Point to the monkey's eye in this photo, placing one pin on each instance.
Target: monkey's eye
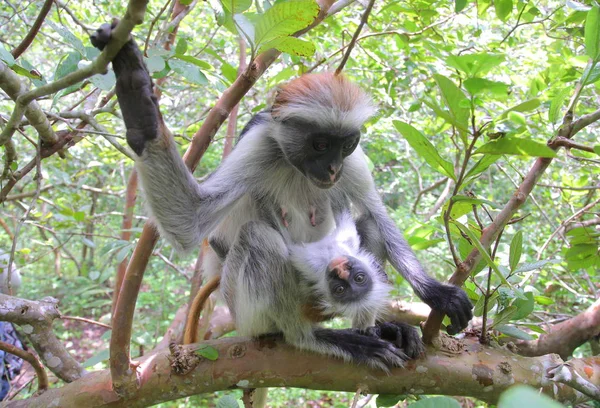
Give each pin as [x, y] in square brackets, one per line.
[350, 145]
[359, 278]
[338, 290]
[321, 144]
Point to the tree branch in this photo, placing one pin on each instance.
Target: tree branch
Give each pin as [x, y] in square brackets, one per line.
[31, 359]
[35, 320]
[35, 28]
[478, 371]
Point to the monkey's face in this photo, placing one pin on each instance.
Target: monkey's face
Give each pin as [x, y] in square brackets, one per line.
[349, 279]
[317, 152]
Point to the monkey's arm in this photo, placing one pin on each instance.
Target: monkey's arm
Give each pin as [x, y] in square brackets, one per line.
[185, 212]
[381, 236]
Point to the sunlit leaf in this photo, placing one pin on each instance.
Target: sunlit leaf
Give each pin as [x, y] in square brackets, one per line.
[285, 18]
[503, 8]
[425, 149]
[208, 352]
[592, 33]
[516, 146]
[516, 248]
[512, 331]
[290, 45]
[521, 396]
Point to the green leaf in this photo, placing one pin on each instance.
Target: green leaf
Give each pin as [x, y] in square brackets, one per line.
[517, 118]
[208, 352]
[236, 6]
[193, 60]
[181, 46]
[597, 149]
[478, 310]
[521, 396]
[290, 45]
[227, 401]
[102, 355]
[475, 65]
[524, 306]
[155, 64]
[436, 402]
[476, 86]
[229, 72]
[425, 149]
[556, 105]
[543, 300]
[67, 65]
[591, 73]
[389, 400]
[503, 9]
[592, 33]
[512, 331]
[526, 106]
[452, 97]
[79, 216]
[68, 36]
[459, 5]
[479, 167]
[33, 74]
[284, 19]
[104, 81]
[484, 253]
[516, 248]
[6, 56]
[516, 146]
[504, 316]
[526, 267]
[189, 72]
[245, 28]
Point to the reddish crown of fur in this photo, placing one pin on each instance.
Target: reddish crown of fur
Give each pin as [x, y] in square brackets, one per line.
[323, 97]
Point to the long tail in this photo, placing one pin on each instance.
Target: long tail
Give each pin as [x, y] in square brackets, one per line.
[191, 326]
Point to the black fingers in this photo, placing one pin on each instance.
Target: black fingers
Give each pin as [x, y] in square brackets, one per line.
[134, 90]
[453, 302]
[362, 348]
[402, 335]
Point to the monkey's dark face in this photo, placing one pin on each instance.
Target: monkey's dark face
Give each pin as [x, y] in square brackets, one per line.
[348, 279]
[316, 151]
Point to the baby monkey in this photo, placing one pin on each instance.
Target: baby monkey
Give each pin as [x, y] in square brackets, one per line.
[340, 277]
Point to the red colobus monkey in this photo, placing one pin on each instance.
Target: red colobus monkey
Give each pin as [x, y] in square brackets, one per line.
[300, 155]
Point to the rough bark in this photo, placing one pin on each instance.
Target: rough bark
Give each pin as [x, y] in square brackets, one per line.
[465, 368]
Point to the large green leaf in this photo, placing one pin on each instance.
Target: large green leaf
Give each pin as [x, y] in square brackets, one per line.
[516, 248]
[479, 86]
[284, 19]
[524, 396]
[592, 33]
[526, 106]
[556, 104]
[425, 149]
[475, 65]
[503, 8]
[516, 146]
[188, 71]
[512, 331]
[245, 28]
[455, 100]
[436, 402]
[236, 6]
[290, 45]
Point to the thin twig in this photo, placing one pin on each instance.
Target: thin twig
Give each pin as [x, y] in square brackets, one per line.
[35, 28]
[31, 359]
[363, 21]
[83, 319]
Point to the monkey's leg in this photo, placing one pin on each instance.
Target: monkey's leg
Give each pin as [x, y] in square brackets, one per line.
[263, 291]
[184, 211]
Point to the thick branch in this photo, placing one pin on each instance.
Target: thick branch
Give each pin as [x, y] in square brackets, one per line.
[35, 320]
[478, 371]
[563, 338]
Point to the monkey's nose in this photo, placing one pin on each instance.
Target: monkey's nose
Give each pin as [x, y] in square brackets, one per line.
[339, 265]
[333, 171]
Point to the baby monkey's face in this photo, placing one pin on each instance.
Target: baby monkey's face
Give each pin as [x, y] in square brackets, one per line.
[349, 279]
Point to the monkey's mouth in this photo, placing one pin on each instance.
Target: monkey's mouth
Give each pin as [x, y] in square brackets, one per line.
[321, 183]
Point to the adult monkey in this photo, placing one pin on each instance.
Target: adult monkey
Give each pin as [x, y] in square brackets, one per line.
[303, 157]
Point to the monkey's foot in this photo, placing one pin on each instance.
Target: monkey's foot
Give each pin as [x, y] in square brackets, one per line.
[402, 335]
[134, 90]
[352, 345]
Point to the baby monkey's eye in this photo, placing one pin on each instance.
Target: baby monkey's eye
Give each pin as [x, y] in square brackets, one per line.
[321, 144]
[359, 278]
[339, 289]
